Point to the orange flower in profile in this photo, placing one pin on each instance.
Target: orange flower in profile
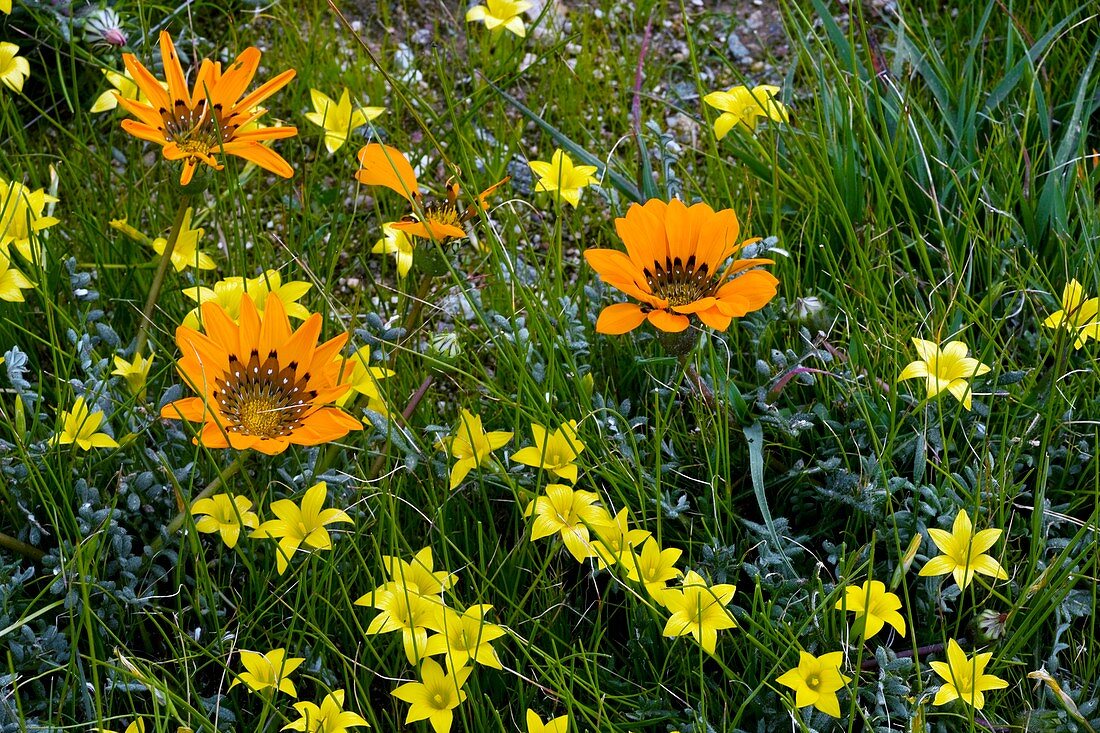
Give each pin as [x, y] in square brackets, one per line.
[195, 126]
[673, 264]
[261, 385]
[436, 220]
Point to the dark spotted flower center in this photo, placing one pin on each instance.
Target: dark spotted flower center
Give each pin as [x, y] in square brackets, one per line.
[195, 130]
[679, 282]
[261, 399]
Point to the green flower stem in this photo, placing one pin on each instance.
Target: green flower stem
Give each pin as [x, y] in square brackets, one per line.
[557, 254]
[158, 278]
[423, 288]
[28, 551]
[706, 394]
[217, 483]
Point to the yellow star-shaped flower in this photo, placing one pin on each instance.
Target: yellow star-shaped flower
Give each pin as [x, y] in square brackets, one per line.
[471, 445]
[873, 606]
[398, 243]
[699, 609]
[81, 426]
[948, 369]
[466, 637]
[22, 218]
[566, 512]
[435, 697]
[338, 119]
[816, 680]
[498, 15]
[964, 678]
[12, 282]
[14, 69]
[186, 253]
[328, 717]
[301, 525]
[964, 552]
[743, 106]
[653, 567]
[269, 671]
[135, 372]
[555, 452]
[557, 725]
[1078, 314]
[561, 176]
[224, 514]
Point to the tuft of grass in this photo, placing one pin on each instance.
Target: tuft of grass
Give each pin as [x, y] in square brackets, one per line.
[936, 180]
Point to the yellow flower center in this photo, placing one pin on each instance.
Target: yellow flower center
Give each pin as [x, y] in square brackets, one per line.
[678, 282]
[195, 131]
[197, 147]
[259, 416]
[439, 700]
[441, 213]
[813, 681]
[261, 399]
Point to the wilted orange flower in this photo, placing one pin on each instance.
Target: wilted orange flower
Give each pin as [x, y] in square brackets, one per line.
[195, 126]
[437, 220]
[674, 264]
[261, 386]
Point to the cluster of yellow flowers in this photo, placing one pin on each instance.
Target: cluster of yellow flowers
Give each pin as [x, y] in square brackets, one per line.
[298, 527]
[268, 673]
[411, 602]
[817, 679]
[588, 530]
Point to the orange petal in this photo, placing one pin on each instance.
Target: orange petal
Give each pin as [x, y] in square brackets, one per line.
[301, 345]
[715, 319]
[265, 133]
[262, 156]
[267, 446]
[192, 409]
[643, 232]
[209, 354]
[610, 263]
[234, 80]
[265, 90]
[143, 131]
[274, 328]
[146, 82]
[143, 112]
[205, 82]
[699, 305]
[173, 72]
[746, 293]
[483, 197]
[212, 436]
[325, 354]
[619, 318]
[188, 172]
[718, 238]
[249, 331]
[386, 166]
[432, 230]
[682, 227]
[220, 327]
[670, 322]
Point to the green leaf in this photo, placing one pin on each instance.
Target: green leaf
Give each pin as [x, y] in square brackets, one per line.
[754, 436]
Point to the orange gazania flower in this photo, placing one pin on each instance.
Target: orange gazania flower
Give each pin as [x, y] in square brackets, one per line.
[261, 386]
[436, 220]
[674, 264]
[195, 126]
